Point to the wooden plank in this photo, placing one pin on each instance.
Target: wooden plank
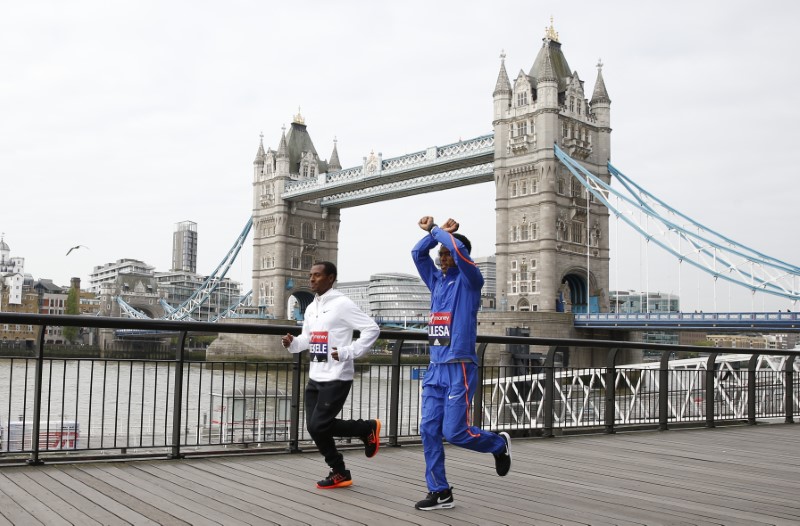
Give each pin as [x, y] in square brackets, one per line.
[179, 508]
[12, 511]
[115, 501]
[34, 504]
[231, 485]
[729, 475]
[210, 494]
[66, 510]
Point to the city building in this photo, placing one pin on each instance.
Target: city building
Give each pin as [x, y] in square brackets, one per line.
[12, 274]
[358, 291]
[397, 296]
[110, 272]
[390, 296]
[631, 301]
[184, 247]
[488, 267]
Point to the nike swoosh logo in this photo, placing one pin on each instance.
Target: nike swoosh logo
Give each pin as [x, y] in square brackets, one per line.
[441, 500]
[451, 397]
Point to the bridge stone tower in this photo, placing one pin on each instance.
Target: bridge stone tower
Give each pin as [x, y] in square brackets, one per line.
[289, 237]
[548, 237]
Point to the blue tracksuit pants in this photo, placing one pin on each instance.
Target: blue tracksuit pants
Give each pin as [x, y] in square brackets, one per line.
[447, 393]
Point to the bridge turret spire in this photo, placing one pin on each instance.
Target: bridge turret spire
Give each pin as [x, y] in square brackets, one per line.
[283, 148]
[503, 85]
[502, 90]
[260, 154]
[334, 164]
[600, 94]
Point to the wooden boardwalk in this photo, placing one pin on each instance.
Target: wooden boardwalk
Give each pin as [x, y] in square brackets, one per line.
[729, 475]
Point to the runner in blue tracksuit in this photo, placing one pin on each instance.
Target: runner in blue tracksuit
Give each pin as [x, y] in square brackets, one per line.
[451, 379]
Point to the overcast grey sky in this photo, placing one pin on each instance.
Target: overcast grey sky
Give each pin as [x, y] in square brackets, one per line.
[120, 119]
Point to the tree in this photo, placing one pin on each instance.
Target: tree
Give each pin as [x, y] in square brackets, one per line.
[72, 307]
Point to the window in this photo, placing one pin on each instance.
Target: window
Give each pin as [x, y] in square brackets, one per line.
[306, 230]
[524, 187]
[572, 104]
[514, 264]
[292, 230]
[535, 186]
[576, 232]
[561, 185]
[322, 235]
[534, 233]
[307, 260]
[522, 129]
[295, 261]
[579, 107]
[513, 233]
[522, 98]
[576, 188]
[513, 189]
[524, 232]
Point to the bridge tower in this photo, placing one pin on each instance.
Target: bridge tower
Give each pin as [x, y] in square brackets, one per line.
[548, 237]
[288, 237]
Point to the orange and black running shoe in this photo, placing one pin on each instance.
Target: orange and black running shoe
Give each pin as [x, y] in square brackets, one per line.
[336, 480]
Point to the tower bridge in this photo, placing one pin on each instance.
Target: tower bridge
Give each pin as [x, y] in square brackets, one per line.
[551, 234]
[548, 155]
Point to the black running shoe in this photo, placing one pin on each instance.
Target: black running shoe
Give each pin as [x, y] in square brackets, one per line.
[372, 442]
[336, 480]
[436, 500]
[502, 461]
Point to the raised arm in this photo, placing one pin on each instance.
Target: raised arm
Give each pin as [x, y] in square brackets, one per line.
[463, 260]
[421, 253]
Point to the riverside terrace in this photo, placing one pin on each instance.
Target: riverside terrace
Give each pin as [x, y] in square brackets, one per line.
[71, 415]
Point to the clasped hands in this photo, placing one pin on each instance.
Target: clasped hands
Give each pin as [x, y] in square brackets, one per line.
[427, 224]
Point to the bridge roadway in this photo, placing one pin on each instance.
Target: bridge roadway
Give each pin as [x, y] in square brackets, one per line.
[732, 475]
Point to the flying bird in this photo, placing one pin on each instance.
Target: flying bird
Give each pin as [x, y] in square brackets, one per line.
[76, 247]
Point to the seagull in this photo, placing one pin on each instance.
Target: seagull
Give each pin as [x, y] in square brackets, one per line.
[76, 247]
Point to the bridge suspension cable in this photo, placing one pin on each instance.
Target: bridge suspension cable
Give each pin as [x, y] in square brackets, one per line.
[185, 310]
[713, 253]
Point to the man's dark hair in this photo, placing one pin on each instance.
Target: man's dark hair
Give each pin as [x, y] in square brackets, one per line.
[330, 268]
[463, 239]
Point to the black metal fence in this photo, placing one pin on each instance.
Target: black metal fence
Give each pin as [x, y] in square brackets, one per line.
[56, 408]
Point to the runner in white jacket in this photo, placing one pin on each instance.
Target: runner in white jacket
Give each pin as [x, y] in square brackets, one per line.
[328, 326]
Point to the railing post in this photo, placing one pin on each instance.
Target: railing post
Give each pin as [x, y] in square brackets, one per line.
[177, 399]
[789, 391]
[611, 391]
[294, 419]
[752, 378]
[711, 391]
[394, 394]
[477, 401]
[37, 402]
[549, 391]
[663, 391]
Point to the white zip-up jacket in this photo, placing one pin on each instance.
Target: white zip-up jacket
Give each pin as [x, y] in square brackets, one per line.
[329, 324]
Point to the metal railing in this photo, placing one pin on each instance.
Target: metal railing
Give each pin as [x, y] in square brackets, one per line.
[55, 408]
